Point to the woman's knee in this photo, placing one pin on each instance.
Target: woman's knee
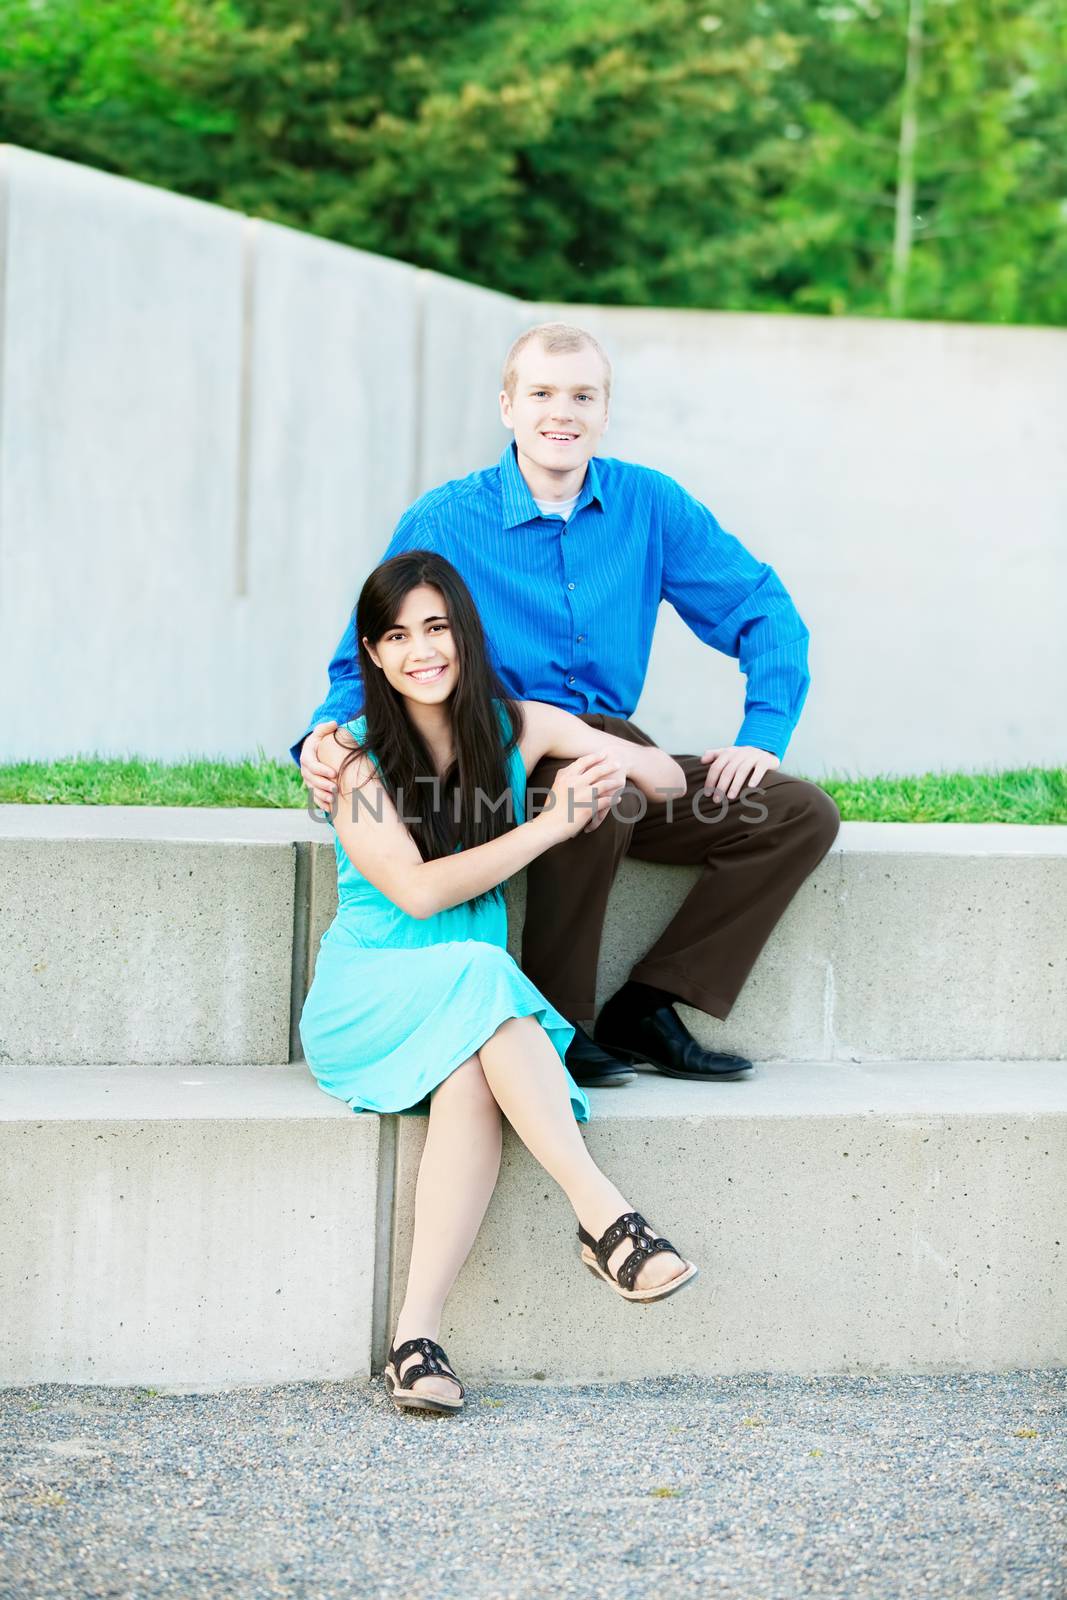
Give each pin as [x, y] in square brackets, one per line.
[512, 1030]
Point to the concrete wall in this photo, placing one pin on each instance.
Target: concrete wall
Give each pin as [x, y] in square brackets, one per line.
[118, 490]
[908, 481]
[208, 427]
[332, 386]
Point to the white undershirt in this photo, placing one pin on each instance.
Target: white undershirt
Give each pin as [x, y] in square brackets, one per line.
[556, 508]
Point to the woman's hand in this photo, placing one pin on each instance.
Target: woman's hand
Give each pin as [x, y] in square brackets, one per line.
[319, 778]
[582, 794]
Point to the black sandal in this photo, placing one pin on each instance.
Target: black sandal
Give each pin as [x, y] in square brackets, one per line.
[633, 1227]
[434, 1364]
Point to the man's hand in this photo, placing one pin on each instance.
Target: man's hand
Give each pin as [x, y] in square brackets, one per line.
[735, 767]
[319, 778]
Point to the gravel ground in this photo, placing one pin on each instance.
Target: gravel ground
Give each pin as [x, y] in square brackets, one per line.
[755, 1488]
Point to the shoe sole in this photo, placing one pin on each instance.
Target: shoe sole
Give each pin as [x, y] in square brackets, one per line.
[409, 1400]
[641, 1296]
[671, 1072]
[613, 1080]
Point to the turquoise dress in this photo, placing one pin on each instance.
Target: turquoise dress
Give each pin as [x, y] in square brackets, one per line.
[399, 1002]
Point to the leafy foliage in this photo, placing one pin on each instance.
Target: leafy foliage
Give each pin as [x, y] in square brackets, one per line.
[740, 156]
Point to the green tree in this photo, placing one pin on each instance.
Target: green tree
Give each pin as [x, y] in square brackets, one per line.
[741, 156]
[991, 180]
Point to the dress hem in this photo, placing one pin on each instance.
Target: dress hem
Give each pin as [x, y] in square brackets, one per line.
[485, 1031]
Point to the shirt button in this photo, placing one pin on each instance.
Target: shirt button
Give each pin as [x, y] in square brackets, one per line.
[581, 638]
[570, 586]
[570, 680]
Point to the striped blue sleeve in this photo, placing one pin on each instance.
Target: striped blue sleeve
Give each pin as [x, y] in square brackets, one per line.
[344, 697]
[740, 606]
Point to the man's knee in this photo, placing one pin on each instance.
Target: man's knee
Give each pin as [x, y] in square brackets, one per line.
[816, 812]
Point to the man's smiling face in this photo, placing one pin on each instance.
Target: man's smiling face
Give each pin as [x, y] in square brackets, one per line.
[559, 409]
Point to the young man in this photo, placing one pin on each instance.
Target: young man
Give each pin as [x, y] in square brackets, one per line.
[568, 556]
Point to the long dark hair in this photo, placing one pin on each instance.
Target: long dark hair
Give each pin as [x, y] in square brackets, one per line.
[463, 809]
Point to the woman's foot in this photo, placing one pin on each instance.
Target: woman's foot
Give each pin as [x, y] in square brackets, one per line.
[653, 1272]
[432, 1386]
[649, 1278]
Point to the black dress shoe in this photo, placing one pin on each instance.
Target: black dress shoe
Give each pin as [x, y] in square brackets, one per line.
[593, 1067]
[665, 1042]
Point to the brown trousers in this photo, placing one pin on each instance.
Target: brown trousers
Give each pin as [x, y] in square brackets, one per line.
[753, 865]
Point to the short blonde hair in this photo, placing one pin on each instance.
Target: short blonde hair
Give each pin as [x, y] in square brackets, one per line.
[558, 338]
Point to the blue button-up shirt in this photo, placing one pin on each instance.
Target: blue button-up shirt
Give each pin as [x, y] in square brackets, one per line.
[569, 608]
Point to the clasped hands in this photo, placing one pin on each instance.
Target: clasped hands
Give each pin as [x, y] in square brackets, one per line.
[731, 768]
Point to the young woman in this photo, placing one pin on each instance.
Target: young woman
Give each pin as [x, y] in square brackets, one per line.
[415, 994]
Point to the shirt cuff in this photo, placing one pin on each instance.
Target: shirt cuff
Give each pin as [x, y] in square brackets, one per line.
[764, 730]
[295, 749]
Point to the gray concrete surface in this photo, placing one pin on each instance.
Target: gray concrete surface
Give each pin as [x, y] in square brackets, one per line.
[236, 415]
[186, 1226]
[464, 333]
[763, 1488]
[908, 1217]
[121, 423]
[250, 824]
[219, 1224]
[181, 931]
[943, 956]
[199, 824]
[126, 950]
[333, 384]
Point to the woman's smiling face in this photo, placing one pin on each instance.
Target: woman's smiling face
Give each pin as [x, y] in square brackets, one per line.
[418, 653]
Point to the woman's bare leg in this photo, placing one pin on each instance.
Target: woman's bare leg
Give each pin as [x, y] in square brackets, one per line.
[457, 1175]
[526, 1077]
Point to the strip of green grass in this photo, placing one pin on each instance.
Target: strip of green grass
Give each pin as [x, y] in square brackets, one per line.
[1028, 794]
[1025, 794]
[94, 781]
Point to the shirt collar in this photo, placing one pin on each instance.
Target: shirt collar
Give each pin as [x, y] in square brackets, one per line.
[518, 503]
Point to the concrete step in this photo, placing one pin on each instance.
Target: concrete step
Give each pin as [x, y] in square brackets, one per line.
[167, 1224]
[234, 1224]
[168, 935]
[160, 937]
[901, 1217]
